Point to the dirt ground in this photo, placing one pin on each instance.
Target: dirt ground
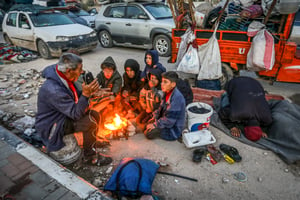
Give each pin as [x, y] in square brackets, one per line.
[268, 177]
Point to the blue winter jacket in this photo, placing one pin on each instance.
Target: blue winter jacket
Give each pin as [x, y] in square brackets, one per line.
[155, 61]
[170, 116]
[55, 103]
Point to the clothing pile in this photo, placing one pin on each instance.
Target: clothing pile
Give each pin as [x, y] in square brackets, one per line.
[13, 54]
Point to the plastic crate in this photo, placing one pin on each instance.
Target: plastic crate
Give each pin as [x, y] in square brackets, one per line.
[198, 138]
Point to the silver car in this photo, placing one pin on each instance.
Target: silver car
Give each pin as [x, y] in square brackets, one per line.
[136, 24]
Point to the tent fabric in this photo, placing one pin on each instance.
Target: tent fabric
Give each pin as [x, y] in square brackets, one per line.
[283, 134]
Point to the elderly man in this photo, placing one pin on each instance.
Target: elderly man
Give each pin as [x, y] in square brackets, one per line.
[63, 109]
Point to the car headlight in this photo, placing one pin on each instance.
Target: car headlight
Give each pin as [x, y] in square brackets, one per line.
[62, 38]
[93, 34]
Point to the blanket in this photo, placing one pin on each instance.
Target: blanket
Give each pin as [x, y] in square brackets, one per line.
[14, 54]
[283, 134]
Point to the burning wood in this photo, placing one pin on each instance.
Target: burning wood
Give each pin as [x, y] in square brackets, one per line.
[115, 127]
[116, 123]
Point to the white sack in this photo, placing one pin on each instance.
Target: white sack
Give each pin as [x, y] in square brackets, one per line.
[210, 59]
[190, 61]
[261, 55]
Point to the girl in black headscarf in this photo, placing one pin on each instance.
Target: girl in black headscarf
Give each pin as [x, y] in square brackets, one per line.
[132, 86]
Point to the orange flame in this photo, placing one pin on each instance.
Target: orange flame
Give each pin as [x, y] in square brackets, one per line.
[116, 124]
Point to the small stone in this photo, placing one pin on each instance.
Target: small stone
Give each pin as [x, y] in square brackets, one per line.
[97, 182]
[225, 180]
[18, 97]
[26, 96]
[109, 170]
[265, 153]
[15, 85]
[259, 179]
[286, 170]
[21, 81]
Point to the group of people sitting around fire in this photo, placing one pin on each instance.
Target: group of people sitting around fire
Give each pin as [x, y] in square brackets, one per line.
[66, 104]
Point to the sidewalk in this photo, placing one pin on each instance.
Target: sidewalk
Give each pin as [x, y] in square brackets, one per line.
[27, 173]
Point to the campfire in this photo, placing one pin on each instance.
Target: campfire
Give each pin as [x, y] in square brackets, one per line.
[115, 127]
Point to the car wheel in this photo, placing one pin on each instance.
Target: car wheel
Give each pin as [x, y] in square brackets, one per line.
[162, 44]
[6, 39]
[227, 75]
[43, 49]
[105, 39]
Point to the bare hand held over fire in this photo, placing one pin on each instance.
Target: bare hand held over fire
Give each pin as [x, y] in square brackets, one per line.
[88, 90]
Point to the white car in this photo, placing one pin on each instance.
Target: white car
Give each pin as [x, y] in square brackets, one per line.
[46, 31]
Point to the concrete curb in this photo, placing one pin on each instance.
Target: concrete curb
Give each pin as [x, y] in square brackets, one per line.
[62, 175]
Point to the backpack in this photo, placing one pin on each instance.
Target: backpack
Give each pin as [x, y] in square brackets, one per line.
[132, 178]
[184, 87]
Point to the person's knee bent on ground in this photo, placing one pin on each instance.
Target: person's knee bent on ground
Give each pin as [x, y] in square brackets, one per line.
[169, 118]
[62, 108]
[246, 109]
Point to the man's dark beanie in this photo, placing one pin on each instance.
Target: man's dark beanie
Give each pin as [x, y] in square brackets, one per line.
[171, 75]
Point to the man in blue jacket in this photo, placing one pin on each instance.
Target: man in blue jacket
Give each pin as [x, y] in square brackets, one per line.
[63, 109]
[169, 118]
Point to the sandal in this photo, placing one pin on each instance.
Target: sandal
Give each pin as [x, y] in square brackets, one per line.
[231, 152]
[197, 155]
[215, 153]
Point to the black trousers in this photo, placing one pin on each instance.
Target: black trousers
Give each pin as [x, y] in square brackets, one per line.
[88, 125]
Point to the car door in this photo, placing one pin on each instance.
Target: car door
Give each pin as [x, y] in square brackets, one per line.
[136, 29]
[25, 32]
[115, 21]
[11, 28]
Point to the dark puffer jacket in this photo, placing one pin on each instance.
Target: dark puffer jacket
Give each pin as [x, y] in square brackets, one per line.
[115, 82]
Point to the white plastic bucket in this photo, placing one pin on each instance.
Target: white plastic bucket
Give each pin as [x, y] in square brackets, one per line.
[197, 121]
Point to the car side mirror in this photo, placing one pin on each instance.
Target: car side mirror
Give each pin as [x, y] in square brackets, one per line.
[25, 26]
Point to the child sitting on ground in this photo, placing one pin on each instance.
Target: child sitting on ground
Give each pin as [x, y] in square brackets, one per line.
[110, 81]
[109, 77]
[132, 86]
[169, 118]
[152, 62]
[150, 98]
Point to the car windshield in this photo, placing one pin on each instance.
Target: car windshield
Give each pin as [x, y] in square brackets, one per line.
[80, 12]
[159, 11]
[50, 19]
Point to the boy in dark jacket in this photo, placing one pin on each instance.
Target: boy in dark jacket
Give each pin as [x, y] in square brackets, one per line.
[152, 61]
[109, 77]
[170, 116]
